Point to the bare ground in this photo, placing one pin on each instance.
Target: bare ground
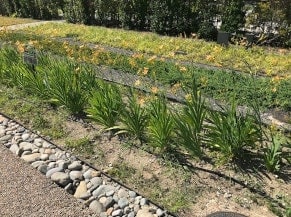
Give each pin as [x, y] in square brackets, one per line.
[189, 191]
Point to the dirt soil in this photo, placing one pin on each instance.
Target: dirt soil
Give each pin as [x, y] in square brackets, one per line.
[196, 189]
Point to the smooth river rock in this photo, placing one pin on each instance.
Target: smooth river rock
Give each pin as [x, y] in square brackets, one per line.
[144, 213]
[61, 178]
[31, 157]
[81, 190]
[96, 206]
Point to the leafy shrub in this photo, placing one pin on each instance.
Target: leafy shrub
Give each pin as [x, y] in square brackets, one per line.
[107, 12]
[233, 16]
[80, 11]
[74, 11]
[16, 73]
[10, 59]
[189, 124]
[134, 119]
[41, 9]
[231, 131]
[172, 17]
[134, 14]
[69, 85]
[207, 31]
[274, 155]
[33, 82]
[161, 125]
[105, 105]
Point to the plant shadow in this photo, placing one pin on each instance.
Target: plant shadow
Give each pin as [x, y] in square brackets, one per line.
[251, 164]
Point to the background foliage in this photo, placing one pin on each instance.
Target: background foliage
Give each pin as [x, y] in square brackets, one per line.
[269, 20]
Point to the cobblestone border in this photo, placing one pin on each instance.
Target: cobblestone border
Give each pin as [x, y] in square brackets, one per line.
[101, 193]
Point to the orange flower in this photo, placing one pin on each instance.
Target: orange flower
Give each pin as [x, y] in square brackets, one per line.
[188, 97]
[276, 79]
[145, 71]
[183, 69]
[96, 53]
[137, 83]
[132, 63]
[154, 90]
[152, 58]
[20, 47]
[172, 54]
[141, 101]
[175, 87]
[209, 58]
[136, 56]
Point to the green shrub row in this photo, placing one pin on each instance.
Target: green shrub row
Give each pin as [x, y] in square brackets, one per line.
[193, 128]
[171, 17]
[41, 9]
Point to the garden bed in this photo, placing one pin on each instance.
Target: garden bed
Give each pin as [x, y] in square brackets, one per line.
[191, 175]
[220, 85]
[188, 190]
[163, 169]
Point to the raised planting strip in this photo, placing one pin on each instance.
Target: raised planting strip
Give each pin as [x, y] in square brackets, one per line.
[102, 194]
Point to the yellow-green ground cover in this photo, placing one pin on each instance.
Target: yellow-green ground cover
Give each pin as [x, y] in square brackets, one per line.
[8, 21]
[260, 60]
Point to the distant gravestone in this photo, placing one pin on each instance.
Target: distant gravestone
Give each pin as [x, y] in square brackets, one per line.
[250, 39]
[29, 57]
[225, 214]
[223, 38]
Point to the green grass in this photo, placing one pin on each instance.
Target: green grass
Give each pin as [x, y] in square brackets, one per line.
[262, 60]
[81, 145]
[20, 106]
[122, 171]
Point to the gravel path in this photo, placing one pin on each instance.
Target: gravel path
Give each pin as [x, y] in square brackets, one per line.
[24, 191]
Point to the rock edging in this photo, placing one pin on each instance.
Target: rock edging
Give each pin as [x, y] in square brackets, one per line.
[99, 192]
